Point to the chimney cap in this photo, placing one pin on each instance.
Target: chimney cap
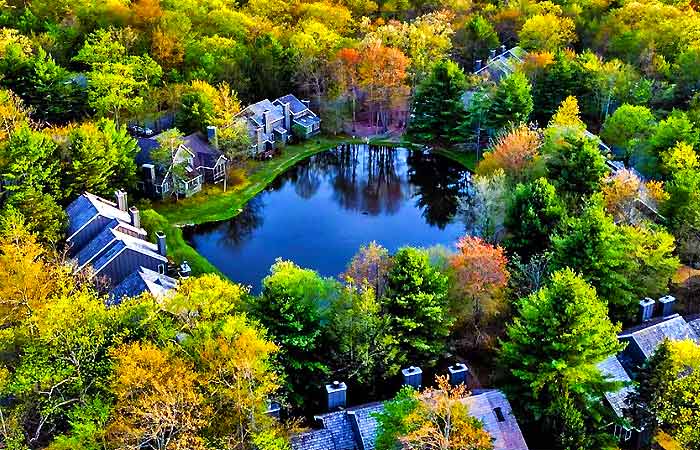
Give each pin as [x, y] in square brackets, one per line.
[667, 299]
[336, 386]
[458, 367]
[646, 301]
[412, 370]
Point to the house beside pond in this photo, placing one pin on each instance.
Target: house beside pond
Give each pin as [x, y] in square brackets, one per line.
[275, 122]
[106, 242]
[196, 162]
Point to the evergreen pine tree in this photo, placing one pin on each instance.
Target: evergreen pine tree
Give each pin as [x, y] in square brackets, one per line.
[651, 381]
[438, 108]
[550, 354]
[512, 102]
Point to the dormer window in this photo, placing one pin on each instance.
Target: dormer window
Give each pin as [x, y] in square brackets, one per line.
[499, 414]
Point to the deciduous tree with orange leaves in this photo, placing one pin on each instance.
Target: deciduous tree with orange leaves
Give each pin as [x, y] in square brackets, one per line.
[515, 151]
[383, 75]
[481, 276]
[435, 419]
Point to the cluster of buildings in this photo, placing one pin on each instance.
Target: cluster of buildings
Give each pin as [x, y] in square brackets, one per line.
[198, 160]
[107, 243]
[658, 323]
[356, 428]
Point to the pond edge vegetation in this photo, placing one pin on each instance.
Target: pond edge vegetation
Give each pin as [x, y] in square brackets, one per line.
[215, 205]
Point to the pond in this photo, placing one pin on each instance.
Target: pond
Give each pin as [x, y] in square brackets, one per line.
[323, 209]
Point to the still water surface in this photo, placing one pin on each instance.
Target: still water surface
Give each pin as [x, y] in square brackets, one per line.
[323, 209]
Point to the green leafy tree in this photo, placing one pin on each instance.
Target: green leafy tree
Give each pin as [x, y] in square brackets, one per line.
[30, 159]
[614, 259]
[512, 102]
[565, 76]
[437, 106]
[358, 345]
[235, 141]
[549, 355]
[532, 217]
[676, 128]
[437, 418]
[687, 72]
[416, 304]
[167, 156]
[627, 129]
[99, 158]
[574, 162]
[475, 39]
[290, 307]
[666, 392]
[682, 209]
[651, 382]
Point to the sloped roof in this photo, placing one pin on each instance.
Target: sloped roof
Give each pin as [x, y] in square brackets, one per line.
[506, 433]
[146, 146]
[365, 424]
[84, 209]
[295, 105]
[142, 280]
[650, 335]
[694, 323]
[313, 440]
[614, 371]
[256, 110]
[502, 65]
[124, 241]
[98, 244]
[356, 428]
[205, 154]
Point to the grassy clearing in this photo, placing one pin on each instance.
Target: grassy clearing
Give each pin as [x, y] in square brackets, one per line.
[212, 204]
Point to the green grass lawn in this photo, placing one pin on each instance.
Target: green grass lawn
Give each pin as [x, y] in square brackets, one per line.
[212, 204]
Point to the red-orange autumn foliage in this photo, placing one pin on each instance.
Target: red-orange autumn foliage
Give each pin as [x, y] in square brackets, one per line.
[481, 276]
[515, 151]
[481, 268]
[383, 73]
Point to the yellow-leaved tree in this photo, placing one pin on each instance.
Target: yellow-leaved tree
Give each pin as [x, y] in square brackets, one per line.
[158, 402]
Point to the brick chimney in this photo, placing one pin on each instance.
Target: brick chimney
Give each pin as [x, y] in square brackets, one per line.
[120, 196]
[646, 309]
[135, 217]
[337, 395]
[667, 303]
[162, 247]
[412, 376]
[459, 374]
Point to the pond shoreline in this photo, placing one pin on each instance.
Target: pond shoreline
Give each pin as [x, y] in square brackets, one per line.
[214, 205]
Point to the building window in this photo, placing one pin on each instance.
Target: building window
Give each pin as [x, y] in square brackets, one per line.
[499, 414]
[161, 268]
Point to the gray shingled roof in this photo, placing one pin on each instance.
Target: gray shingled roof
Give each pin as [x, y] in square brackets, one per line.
[295, 105]
[614, 371]
[356, 428]
[502, 65]
[204, 154]
[694, 323]
[506, 433]
[256, 110]
[84, 208]
[142, 280]
[649, 336]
